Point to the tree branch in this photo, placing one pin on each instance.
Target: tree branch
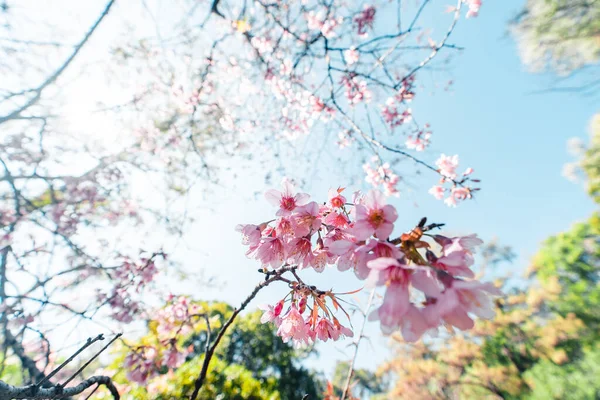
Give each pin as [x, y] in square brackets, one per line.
[52, 78]
[275, 276]
[9, 392]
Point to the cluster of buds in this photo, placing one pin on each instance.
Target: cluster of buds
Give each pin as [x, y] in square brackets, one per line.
[423, 291]
[307, 317]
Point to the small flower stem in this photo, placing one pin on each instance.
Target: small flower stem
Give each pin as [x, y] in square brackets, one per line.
[356, 343]
[276, 276]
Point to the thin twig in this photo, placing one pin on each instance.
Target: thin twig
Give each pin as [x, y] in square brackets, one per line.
[356, 343]
[87, 344]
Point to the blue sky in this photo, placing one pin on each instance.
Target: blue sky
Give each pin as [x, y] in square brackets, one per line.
[515, 140]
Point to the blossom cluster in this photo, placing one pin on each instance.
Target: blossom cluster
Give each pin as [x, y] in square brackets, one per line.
[423, 290]
[459, 190]
[129, 278]
[172, 321]
[382, 175]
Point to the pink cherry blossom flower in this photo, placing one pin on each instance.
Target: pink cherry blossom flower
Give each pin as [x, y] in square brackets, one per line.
[336, 200]
[284, 226]
[300, 252]
[351, 56]
[271, 313]
[307, 219]
[463, 297]
[418, 142]
[384, 176]
[271, 252]
[328, 27]
[457, 254]
[457, 194]
[413, 324]
[339, 220]
[141, 365]
[437, 192]
[374, 217]
[173, 358]
[293, 326]
[447, 165]
[314, 20]
[325, 330]
[389, 272]
[286, 200]
[474, 6]
[356, 90]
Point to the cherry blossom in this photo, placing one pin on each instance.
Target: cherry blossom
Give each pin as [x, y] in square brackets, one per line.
[351, 56]
[357, 235]
[474, 6]
[374, 217]
[286, 200]
[447, 165]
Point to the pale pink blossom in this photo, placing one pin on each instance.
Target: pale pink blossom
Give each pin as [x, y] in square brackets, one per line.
[287, 200]
[418, 142]
[141, 364]
[314, 20]
[413, 324]
[336, 200]
[293, 326]
[351, 56]
[396, 302]
[437, 192]
[374, 217]
[356, 90]
[307, 219]
[271, 252]
[271, 313]
[345, 139]
[461, 298]
[474, 6]
[384, 176]
[447, 165]
[173, 358]
[300, 252]
[337, 219]
[251, 236]
[457, 194]
[328, 27]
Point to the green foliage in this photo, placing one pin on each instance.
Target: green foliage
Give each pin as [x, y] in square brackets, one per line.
[574, 381]
[256, 347]
[574, 258]
[590, 162]
[558, 34]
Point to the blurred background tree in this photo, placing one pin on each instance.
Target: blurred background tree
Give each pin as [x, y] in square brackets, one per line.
[561, 36]
[249, 363]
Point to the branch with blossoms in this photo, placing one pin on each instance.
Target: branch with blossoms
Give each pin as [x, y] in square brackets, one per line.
[296, 68]
[423, 290]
